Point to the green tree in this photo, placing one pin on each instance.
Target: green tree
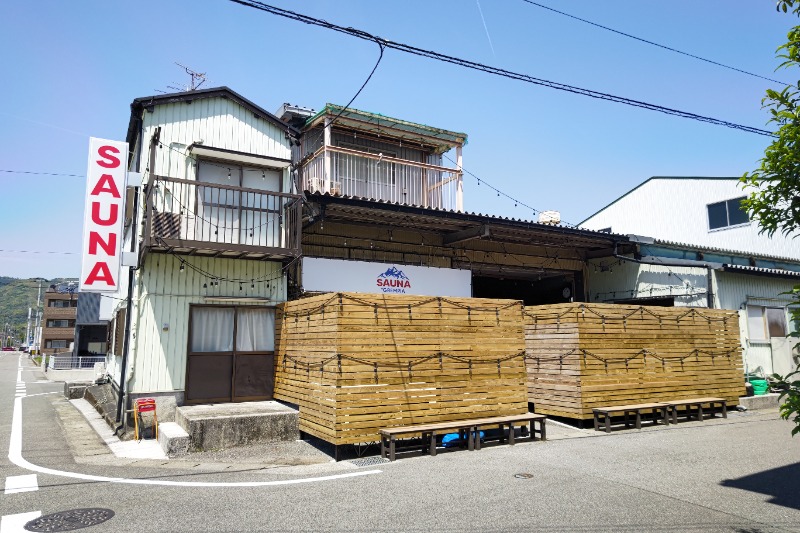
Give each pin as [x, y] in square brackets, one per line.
[775, 200]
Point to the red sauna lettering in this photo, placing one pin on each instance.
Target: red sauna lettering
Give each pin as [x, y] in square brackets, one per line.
[112, 216]
[105, 184]
[100, 273]
[402, 283]
[103, 151]
[109, 246]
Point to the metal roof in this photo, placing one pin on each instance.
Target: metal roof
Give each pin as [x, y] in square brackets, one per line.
[777, 272]
[726, 251]
[368, 210]
[379, 124]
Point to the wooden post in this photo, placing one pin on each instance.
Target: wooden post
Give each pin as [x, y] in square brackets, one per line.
[460, 182]
[326, 130]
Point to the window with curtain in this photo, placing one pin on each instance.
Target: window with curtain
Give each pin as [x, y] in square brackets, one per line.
[763, 323]
[213, 329]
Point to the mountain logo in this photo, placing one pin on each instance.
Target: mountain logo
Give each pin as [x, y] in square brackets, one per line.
[393, 280]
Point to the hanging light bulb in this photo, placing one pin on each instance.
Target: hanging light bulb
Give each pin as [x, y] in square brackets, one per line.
[182, 268]
[205, 285]
[229, 173]
[240, 285]
[252, 284]
[263, 175]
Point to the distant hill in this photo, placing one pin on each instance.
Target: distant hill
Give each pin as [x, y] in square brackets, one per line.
[16, 296]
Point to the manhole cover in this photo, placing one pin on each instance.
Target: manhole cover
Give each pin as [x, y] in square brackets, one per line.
[369, 461]
[523, 476]
[69, 520]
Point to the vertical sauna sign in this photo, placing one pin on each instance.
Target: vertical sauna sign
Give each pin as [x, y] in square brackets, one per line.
[103, 215]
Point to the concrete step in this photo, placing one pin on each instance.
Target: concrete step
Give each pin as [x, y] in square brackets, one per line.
[221, 426]
[173, 439]
[763, 401]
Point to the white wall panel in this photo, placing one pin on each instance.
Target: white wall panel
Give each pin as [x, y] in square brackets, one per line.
[164, 295]
[676, 210]
[609, 280]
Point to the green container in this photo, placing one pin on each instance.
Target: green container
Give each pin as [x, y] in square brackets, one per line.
[760, 386]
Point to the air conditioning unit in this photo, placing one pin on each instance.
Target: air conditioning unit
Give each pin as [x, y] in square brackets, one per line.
[318, 185]
[552, 218]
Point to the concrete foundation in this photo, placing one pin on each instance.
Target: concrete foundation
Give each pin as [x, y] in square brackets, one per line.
[220, 426]
[764, 401]
[75, 389]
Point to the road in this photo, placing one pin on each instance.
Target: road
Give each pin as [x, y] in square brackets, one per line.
[741, 474]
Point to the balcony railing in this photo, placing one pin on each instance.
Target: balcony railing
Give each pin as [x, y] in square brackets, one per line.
[212, 217]
[343, 171]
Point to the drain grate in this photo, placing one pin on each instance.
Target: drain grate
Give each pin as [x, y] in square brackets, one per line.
[70, 520]
[369, 461]
[523, 476]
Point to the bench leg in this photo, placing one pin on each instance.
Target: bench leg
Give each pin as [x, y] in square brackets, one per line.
[391, 448]
[596, 422]
[699, 412]
[627, 420]
[432, 448]
[638, 419]
[608, 422]
[533, 429]
[542, 430]
[674, 410]
[724, 410]
[511, 434]
[470, 439]
[665, 414]
[502, 434]
[383, 446]
[477, 437]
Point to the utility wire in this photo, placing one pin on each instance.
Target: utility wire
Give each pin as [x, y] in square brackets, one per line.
[37, 252]
[495, 70]
[653, 43]
[42, 173]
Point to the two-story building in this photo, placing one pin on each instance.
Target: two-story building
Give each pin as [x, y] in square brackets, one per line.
[58, 318]
[242, 209]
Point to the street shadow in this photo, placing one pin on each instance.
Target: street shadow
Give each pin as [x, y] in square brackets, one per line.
[779, 483]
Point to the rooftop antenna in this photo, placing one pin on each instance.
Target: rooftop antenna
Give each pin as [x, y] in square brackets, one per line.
[196, 80]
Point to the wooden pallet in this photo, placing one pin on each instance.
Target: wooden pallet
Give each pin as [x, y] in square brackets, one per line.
[582, 356]
[358, 363]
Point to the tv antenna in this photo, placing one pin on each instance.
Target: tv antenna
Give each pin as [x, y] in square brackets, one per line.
[196, 80]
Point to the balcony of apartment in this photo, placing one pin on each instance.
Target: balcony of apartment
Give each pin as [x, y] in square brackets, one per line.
[220, 220]
[59, 313]
[58, 333]
[359, 154]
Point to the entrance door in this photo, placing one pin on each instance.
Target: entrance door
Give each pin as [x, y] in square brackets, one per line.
[231, 355]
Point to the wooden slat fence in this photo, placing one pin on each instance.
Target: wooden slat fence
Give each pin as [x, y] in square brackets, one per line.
[356, 363]
[583, 355]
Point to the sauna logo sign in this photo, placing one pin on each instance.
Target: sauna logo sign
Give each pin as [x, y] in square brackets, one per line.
[393, 280]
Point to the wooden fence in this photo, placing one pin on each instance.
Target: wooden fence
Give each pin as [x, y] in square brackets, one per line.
[581, 355]
[356, 363]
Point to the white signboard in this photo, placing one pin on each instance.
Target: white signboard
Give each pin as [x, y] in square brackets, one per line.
[335, 275]
[103, 215]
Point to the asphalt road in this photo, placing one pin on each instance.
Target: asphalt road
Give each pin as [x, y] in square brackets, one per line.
[741, 474]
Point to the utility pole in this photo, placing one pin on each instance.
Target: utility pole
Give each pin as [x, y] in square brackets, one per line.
[28, 331]
[37, 335]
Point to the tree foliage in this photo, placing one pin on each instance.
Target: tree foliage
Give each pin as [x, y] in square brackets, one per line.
[775, 200]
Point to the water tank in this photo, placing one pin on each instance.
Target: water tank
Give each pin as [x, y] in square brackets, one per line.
[550, 217]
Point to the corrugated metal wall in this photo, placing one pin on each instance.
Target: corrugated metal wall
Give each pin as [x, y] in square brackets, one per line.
[610, 280]
[676, 210]
[163, 295]
[218, 123]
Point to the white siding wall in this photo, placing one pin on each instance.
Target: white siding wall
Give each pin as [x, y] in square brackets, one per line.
[675, 210]
[219, 123]
[628, 280]
[163, 295]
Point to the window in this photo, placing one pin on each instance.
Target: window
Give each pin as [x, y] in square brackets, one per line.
[63, 303]
[60, 323]
[55, 344]
[727, 213]
[763, 323]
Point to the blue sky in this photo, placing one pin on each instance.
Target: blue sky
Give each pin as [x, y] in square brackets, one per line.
[71, 69]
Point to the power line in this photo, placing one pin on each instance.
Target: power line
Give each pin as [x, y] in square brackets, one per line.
[43, 173]
[654, 43]
[37, 252]
[495, 70]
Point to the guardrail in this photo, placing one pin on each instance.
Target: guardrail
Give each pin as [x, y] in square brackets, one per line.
[70, 362]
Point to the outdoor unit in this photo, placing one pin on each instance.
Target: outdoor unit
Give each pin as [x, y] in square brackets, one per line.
[552, 218]
[318, 185]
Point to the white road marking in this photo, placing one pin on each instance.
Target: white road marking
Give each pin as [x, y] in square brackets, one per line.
[15, 523]
[15, 456]
[26, 483]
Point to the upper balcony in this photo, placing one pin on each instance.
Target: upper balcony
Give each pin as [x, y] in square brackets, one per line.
[355, 153]
[220, 220]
